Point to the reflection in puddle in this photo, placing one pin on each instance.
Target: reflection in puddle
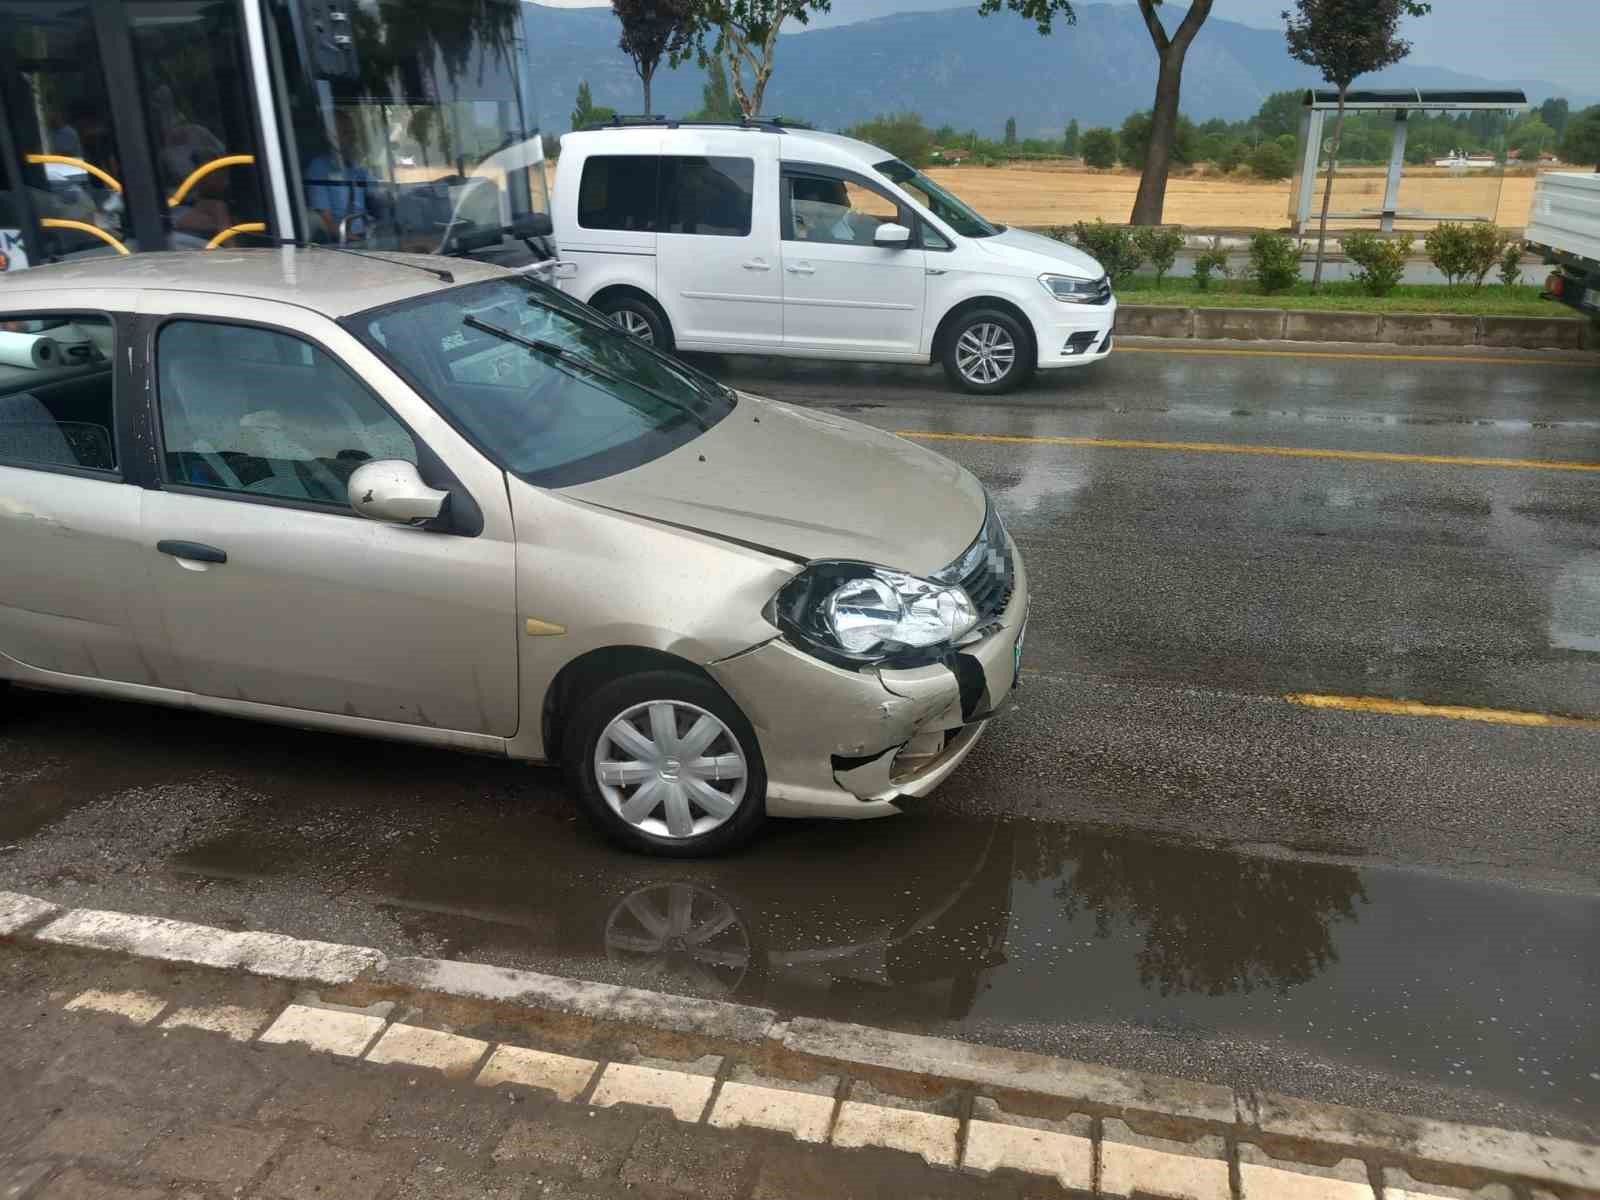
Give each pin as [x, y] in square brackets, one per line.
[680, 937]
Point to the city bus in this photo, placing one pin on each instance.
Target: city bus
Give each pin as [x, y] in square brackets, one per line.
[135, 125]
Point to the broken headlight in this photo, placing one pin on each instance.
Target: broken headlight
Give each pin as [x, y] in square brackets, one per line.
[862, 613]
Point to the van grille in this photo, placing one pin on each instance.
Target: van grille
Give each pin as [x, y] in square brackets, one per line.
[985, 571]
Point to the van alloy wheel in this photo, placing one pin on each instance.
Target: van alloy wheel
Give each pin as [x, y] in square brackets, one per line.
[633, 321]
[985, 353]
[671, 769]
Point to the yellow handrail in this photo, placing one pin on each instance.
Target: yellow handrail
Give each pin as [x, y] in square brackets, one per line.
[200, 172]
[68, 160]
[84, 227]
[231, 230]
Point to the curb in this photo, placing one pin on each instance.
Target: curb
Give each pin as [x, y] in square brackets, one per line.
[1285, 1127]
[1397, 329]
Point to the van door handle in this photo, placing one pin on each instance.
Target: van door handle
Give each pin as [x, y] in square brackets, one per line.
[193, 551]
[801, 269]
[757, 264]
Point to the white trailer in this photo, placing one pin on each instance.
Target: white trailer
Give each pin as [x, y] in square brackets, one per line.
[1565, 228]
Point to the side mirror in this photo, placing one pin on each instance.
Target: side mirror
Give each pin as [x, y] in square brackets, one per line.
[892, 237]
[532, 225]
[392, 490]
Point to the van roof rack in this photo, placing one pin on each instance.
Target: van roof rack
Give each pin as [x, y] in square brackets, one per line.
[765, 124]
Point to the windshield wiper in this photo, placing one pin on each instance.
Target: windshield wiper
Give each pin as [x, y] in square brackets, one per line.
[562, 354]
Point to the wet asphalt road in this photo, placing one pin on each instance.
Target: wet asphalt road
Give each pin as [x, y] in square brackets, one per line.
[1155, 861]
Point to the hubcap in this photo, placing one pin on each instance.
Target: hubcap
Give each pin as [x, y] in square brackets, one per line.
[682, 934]
[985, 353]
[671, 769]
[635, 324]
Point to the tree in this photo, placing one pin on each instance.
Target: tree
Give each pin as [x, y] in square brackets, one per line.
[651, 29]
[716, 102]
[745, 32]
[1138, 129]
[1069, 143]
[1011, 131]
[1344, 39]
[1531, 138]
[587, 112]
[901, 134]
[1581, 145]
[1171, 50]
[1270, 161]
[1100, 148]
[1280, 113]
[1556, 112]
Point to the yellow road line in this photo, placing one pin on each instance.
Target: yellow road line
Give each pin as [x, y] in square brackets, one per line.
[1453, 712]
[1359, 356]
[1383, 456]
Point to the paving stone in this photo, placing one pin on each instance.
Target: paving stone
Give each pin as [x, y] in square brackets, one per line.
[334, 1097]
[822, 1085]
[1131, 1163]
[434, 1179]
[566, 1077]
[103, 1137]
[991, 1147]
[706, 1064]
[222, 1154]
[230, 1020]
[343, 1033]
[792, 1171]
[928, 1134]
[1075, 1124]
[139, 1007]
[428, 1048]
[684, 1096]
[1262, 1177]
[81, 1185]
[947, 1103]
[688, 1161]
[1400, 1185]
[322, 1171]
[469, 1119]
[586, 1142]
[18, 912]
[18, 1180]
[798, 1114]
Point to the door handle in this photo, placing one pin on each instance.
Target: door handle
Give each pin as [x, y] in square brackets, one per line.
[193, 551]
[801, 269]
[757, 264]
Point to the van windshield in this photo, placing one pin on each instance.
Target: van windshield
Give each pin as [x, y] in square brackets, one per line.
[938, 201]
[546, 387]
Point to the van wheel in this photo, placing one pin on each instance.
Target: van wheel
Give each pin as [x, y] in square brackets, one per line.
[987, 351]
[664, 763]
[639, 317]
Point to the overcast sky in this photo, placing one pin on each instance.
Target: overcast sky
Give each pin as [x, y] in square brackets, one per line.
[1558, 40]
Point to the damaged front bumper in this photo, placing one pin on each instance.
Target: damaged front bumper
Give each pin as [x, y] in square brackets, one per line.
[843, 743]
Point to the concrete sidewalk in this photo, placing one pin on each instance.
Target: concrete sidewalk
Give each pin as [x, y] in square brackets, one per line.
[292, 1069]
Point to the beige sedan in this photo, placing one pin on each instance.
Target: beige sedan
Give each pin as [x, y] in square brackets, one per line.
[435, 501]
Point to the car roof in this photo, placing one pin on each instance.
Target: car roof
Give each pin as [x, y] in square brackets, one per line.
[792, 145]
[318, 279]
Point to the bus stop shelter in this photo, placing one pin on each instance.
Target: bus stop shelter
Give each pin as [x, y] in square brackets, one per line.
[1321, 106]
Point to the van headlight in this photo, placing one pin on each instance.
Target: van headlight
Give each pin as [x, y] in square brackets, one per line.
[860, 613]
[1070, 289]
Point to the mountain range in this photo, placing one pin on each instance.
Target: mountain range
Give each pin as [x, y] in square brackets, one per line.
[956, 67]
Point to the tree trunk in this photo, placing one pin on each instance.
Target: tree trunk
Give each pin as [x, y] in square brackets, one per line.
[644, 77]
[1327, 191]
[1151, 200]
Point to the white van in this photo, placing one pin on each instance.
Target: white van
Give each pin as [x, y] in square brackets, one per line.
[765, 239]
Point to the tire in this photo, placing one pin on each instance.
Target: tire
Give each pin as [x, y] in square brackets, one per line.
[640, 317]
[974, 349]
[662, 827]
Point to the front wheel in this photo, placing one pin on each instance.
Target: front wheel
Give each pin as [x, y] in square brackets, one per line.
[664, 763]
[988, 352]
[639, 317]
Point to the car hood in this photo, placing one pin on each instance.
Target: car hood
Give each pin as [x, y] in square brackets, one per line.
[808, 485]
[1036, 254]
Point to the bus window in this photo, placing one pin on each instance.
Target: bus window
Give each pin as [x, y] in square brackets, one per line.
[53, 93]
[194, 78]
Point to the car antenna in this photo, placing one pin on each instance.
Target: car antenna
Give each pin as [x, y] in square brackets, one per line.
[437, 272]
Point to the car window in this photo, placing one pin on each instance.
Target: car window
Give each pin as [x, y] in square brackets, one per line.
[838, 212]
[936, 200]
[257, 412]
[56, 401]
[618, 191]
[707, 196]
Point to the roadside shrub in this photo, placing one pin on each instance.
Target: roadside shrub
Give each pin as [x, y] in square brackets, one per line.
[1209, 262]
[1463, 252]
[1271, 161]
[1381, 261]
[1274, 262]
[1489, 244]
[1511, 265]
[1099, 148]
[1230, 158]
[1159, 247]
[1113, 246]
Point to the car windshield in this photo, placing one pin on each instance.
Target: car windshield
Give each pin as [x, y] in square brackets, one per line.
[937, 201]
[545, 386]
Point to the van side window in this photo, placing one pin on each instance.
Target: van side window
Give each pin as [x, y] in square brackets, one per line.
[56, 404]
[707, 196]
[618, 191]
[839, 212]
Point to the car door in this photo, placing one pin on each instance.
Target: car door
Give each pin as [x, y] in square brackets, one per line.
[72, 600]
[842, 294]
[271, 588]
[717, 250]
